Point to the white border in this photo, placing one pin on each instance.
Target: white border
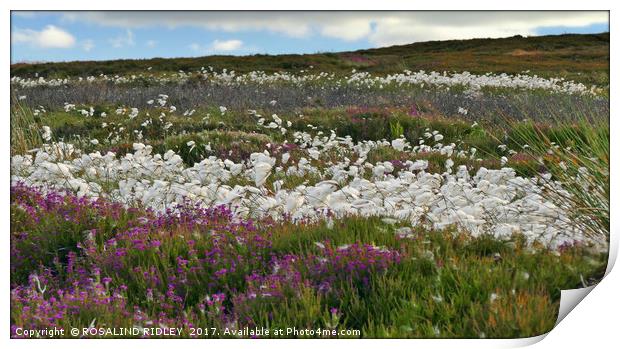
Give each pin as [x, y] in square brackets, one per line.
[592, 323]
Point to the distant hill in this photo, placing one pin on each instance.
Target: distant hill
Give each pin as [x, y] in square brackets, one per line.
[580, 57]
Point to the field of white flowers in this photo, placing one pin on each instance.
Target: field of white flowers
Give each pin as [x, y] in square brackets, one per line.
[461, 176]
[472, 82]
[495, 201]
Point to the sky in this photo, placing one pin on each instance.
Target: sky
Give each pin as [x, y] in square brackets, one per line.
[103, 35]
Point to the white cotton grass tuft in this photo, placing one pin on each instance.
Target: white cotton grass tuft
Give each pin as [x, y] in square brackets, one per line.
[46, 133]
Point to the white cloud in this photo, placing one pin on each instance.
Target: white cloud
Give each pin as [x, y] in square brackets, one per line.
[226, 45]
[49, 37]
[349, 30]
[218, 46]
[123, 40]
[380, 28]
[150, 43]
[88, 45]
[228, 21]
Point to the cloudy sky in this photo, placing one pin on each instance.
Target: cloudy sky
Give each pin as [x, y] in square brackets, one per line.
[66, 36]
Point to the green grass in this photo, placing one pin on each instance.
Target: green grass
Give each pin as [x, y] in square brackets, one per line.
[25, 130]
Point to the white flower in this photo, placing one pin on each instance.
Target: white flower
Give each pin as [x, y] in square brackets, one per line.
[134, 113]
[262, 170]
[314, 153]
[399, 144]
[330, 224]
[285, 157]
[47, 133]
[563, 166]
[449, 164]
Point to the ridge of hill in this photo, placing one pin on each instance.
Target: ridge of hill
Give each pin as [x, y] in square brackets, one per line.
[579, 57]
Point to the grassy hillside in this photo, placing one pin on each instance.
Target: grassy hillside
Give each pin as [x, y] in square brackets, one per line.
[578, 57]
